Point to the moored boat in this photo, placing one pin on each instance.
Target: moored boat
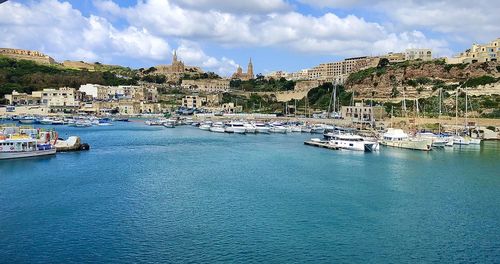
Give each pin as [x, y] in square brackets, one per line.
[23, 147]
[399, 139]
[353, 142]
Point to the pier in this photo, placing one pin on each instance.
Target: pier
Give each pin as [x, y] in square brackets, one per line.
[320, 144]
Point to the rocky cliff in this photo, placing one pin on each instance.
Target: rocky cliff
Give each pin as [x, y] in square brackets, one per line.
[422, 79]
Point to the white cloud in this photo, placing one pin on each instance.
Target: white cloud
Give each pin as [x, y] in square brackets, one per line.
[192, 54]
[58, 29]
[327, 34]
[247, 6]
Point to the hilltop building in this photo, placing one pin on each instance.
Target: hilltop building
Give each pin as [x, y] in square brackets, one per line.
[176, 69]
[31, 55]
[478, 53]
[239, 74]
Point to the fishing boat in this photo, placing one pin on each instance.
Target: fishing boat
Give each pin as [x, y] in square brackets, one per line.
[235, 127]
[218, 127]
[399, 139]
[353, 142]
[17, 146]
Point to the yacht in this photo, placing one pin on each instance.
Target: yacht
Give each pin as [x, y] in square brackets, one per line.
[205, 125]
[16, 147]
[169, 123]
[437, 140]
[318, 129]
[278, 128]
[46, 121]
[297, 129]
[218, 127]
[249, 128]
[28, 120]
[353, 142]
[235, 127]
[399, 139]
[262, 128]
[305, 129]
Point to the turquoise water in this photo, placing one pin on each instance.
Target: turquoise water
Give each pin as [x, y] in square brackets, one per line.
[151, 194]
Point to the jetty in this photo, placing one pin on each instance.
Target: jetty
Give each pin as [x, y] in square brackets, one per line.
[320, 144]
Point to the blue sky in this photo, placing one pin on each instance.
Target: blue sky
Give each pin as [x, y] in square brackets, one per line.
[219, 34]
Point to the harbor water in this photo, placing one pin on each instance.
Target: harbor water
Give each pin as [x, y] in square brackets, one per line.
[153, 194]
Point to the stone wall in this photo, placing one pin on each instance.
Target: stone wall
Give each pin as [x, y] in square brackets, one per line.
[31, 55]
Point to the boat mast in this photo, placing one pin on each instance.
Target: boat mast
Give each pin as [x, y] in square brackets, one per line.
[466, 123]
[456, 112]
[440, 103]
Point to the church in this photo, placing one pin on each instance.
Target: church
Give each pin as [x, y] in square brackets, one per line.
[176, 68]
[239, 74]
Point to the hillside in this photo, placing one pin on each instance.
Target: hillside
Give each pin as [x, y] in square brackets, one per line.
[422, 79]
[27, 76]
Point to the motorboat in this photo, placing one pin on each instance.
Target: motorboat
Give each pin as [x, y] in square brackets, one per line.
[235, 127]
[262, 128]
[218, 127]
[317, 129]
[205, 125]
[437, 140]
[399, 139]
[278, 128]
[249, 128]
[169, 123]
[353, 142]
[28, 120]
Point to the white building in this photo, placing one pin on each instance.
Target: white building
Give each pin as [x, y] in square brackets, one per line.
[418, 54]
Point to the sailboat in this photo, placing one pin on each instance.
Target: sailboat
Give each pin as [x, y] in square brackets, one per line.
[399, 139]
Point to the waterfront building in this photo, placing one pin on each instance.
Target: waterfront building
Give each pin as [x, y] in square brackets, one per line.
[239, 74]
[15, 98]
[193, 101]
[231, 108]
[64, 99]
[360, 113]
[478, 53]
[418, 54]
[206, 85]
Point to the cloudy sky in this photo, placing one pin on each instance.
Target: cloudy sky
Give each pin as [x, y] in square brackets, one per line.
[220, 34]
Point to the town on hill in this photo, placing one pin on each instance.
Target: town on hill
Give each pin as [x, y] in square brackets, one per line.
[387, 82]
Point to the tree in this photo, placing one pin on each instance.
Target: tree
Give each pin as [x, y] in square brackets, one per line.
[383, 63]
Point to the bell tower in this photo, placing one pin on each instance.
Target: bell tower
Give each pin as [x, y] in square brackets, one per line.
[250, 69]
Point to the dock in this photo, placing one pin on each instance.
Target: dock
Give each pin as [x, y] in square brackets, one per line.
[320, 144]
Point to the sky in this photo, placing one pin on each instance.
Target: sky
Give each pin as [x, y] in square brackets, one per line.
[219, 35]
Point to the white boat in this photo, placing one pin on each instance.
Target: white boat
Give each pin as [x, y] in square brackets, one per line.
[399, 139]
[218, 127]
[249, 128]
[318, 129]
[169, 123]
[205, 126]
[437, 141]
[278, 128]
[235, 127]
[28, 120]
[297, 129]
[262, 128]
[459, 140]
[474, 141]
[46, 121]
[353, 142]
[23, 147]
[305, 129]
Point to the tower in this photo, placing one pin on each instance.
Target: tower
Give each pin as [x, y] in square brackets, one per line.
[250, 69]
[175, 57]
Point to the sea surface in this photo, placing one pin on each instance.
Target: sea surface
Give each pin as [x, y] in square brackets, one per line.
[153, 194]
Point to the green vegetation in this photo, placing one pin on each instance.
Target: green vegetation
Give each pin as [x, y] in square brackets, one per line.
[320, 96]
[196, 76]
[260, 84]
[359, 76]
[27, 76]
[157, 78]
[460, 66]
[483, 80]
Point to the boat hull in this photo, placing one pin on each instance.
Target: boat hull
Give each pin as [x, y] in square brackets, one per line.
[26, 154]
[424, 145]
